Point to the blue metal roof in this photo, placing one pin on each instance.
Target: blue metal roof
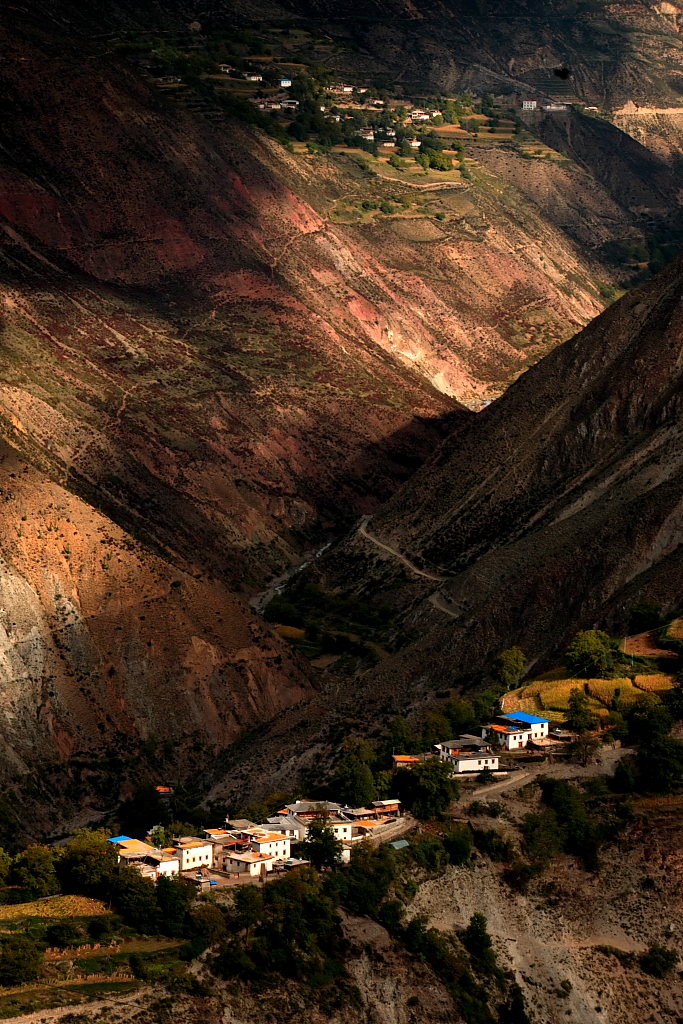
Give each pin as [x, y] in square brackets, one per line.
[523, 716]
[118, 839]
[399, 844]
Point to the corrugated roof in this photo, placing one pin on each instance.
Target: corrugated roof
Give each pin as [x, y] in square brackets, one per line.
[524, 716]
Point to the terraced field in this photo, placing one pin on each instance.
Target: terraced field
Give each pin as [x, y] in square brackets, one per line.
[550, 695]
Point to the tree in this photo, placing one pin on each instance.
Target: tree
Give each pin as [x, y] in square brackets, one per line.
[63, 934]
[247, 908]
[648, 719]
[208, 922]
[354, 782]
[428, 788]
[174, 897]
[321, 846]
[591, 654]
[645, 615]
[395, 161]
[508, 668]
[544, 837]
[477, 942]
[20, 960]
[673, 700]
[88, 864]
[660, 765]
[5, 865]
[135, 899]
[580, 718]
[34, 871]
[584, 748]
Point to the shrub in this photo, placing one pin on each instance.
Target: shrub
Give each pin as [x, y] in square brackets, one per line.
[20, 960]
[658, 960]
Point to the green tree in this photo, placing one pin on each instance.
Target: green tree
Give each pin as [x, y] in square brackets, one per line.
[135, 899]
[208, 922]
[88, 864]
[544, 837]
[646, 614]
[660, 765]
[580, 718]
[477, 942]
[508, 668]
[591, 654]
[34, 870]
[20, 959]
[357, 784]
[584, 748]
[395, 161]
[174, 898]
[428, 788]
[648, 719]
[321, 846]
[673, 700]
[5, 866]
[247, 909]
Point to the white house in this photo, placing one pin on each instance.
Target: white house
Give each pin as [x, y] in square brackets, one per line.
[193, 853]
[289, 104]
[250, 863]
[464, 755]
[285, 83]
[529, 104]
[251, 76]
[474, 762]
[275, 844]
[516, 729]
[148, 860]
[414, 143]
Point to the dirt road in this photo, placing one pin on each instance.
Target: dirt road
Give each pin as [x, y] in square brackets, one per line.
[363, 531]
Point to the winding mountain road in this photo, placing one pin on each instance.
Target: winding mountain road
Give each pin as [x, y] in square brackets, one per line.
[363, 531]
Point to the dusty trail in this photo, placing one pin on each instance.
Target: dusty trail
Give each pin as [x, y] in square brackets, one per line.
[363, 531]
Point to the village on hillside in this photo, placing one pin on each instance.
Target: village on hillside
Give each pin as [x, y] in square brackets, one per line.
[294, 94]
[241, 850]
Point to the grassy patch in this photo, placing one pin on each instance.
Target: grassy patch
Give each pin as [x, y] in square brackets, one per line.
[54, 908]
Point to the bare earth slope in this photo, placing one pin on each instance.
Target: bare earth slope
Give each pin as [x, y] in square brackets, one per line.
[554, 509]
[105, 644]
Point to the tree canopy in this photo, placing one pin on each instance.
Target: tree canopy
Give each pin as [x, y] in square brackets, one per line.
[428, 789]
[591, 654]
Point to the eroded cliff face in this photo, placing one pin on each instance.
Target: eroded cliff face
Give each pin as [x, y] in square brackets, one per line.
[104, 645]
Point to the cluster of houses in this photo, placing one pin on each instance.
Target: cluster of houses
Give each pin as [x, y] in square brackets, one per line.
[515, 730]
[531, 104]
[246, 849]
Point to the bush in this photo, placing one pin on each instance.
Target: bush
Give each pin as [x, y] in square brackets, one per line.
[63, 934]
[20, 960]
[658, 960]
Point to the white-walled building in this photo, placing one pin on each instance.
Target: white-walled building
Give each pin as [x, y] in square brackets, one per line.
[529, 104]
[466, 755]
[193, 853]
[250, 863]
[516, 729]
[285, 83]
[275, 844]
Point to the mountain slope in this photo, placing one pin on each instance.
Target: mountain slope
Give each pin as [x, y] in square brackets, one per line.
[555, 509]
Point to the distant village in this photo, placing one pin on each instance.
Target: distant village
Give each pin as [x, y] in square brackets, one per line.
[241, 850]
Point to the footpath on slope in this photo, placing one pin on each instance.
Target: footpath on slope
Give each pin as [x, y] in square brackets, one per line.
[363, 531]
